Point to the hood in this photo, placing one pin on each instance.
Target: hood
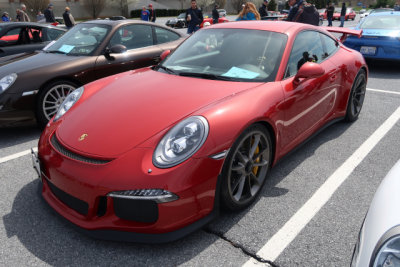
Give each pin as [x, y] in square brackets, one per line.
[381, 33]
[26, 62]
[136, 106]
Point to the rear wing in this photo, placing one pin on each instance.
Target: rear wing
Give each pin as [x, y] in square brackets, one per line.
[344, 31]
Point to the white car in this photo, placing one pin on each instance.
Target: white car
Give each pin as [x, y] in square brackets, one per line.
[364, 14]
[379, 239]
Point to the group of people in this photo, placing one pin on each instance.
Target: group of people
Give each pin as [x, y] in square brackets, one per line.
[47, 16]
[148, 14]
[300, 11]
[330, 9]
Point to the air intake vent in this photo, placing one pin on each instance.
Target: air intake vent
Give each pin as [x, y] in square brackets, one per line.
[60, 148]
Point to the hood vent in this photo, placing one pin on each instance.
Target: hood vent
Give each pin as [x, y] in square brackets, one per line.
[60, 148]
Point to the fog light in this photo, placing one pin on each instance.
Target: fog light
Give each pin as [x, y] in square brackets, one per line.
[158, 195]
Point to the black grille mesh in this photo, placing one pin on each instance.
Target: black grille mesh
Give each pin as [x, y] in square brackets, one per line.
[74, 203]
[60, 148]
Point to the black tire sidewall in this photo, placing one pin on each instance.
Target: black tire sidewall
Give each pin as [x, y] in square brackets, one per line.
[349, 117]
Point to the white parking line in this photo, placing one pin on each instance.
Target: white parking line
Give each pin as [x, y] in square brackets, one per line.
[275, 246]
[17, 155]
[383, 91]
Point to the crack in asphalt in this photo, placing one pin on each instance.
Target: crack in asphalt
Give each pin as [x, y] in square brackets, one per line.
[240, 246]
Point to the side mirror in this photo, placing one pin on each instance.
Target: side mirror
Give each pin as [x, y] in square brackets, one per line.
[309, 70]
[115, 49]
[165, 54]
[118, 49]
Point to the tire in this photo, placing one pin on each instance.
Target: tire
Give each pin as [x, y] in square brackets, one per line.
[356, 97]
[245, 168]
[50, 98]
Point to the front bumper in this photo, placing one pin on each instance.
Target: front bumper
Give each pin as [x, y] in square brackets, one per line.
[80, 192]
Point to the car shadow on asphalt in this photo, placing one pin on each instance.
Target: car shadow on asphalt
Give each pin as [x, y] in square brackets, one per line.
[384, 69]
[51, 239]
[17, 135]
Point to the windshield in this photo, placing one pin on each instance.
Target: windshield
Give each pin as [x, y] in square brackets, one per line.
[381, 22]
[228, 54]
[82, 40]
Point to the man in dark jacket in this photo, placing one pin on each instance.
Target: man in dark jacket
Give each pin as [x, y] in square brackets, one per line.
[49, 15]
[263, 10]
[342, 14]
[329, 13]
[69, 20]
[215, 14]
[294, 8]
[194, 17]
[152, 16]
[308, 14]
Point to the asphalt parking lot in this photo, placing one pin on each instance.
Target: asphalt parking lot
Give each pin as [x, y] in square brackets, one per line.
[308, 214]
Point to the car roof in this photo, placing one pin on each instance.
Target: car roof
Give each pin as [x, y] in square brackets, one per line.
[36, 24]
[285, 27]
[385, 13]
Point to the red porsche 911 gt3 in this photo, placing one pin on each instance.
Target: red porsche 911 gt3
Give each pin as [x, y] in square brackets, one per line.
[152, 154]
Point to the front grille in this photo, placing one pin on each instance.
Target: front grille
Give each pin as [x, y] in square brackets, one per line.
[74, 203]
[60, 148]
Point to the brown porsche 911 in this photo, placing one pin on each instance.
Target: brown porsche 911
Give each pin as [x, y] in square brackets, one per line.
[32, 86]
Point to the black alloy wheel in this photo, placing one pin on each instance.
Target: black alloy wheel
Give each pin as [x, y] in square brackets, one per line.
[245, 168]
[356, 97]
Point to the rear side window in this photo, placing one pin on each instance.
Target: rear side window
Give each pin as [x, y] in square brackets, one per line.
[165, 36]
[331, 46]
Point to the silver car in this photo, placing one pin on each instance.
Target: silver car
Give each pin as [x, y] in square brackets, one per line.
[379, 239]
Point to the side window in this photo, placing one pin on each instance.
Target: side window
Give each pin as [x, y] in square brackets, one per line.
[53, 34]
[306, 47]
[330, 45]
[133, 36]
[164, 36]
[11, 36]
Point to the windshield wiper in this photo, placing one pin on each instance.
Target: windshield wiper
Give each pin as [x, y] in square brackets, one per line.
[207, 76]
[171, 71]
[55, 52]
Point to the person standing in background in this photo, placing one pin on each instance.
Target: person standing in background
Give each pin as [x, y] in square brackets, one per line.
[40, 17]
[5, 17]
[215, 14]
[144, 15]
[263, 10]
[22, 14]
[249, 12]
[69, 20]
[152, 13]
[329, 13]
[194, 17]
[342, 14]
[49, 15]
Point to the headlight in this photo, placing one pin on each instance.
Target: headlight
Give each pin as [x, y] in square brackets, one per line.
[181, 142]
[7, 81]
[69, 101]
[389, 254]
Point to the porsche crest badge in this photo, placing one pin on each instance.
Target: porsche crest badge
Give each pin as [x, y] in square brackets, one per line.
[82, 137]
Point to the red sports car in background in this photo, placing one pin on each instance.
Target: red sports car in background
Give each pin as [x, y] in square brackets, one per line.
[152, 154]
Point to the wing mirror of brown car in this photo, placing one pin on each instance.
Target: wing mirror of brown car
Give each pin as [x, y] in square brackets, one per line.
[308, 70]
[115, 49]
[165, 54]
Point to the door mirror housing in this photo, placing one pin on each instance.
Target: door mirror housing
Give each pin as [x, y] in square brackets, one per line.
[165, 54]
[115, 49]
[309, 70]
